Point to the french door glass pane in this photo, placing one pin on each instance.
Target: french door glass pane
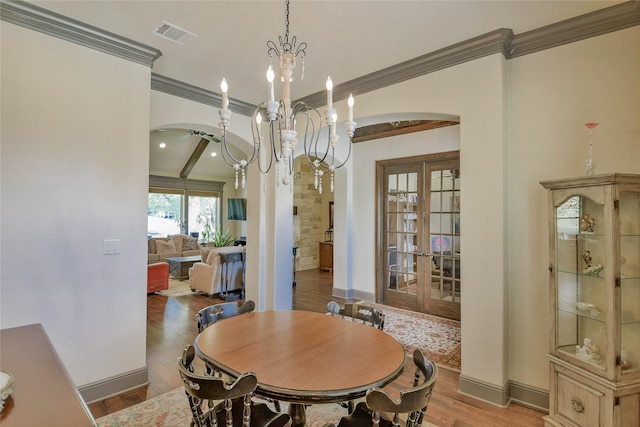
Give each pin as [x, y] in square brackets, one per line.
[445, 235]
[402, 237]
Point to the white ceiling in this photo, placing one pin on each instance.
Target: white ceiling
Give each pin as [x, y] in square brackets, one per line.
[346, 39]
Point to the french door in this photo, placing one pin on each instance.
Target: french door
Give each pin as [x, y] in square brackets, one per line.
[419, 234]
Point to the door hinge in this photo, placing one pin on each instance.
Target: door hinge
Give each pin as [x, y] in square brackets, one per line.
[618, 361]
[617, 282]
[550, 268]
[616, 401]
[616, 204]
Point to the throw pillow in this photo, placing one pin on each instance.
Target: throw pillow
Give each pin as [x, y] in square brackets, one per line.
[152, 246]
[189, 244]
[165, 247]
[177, 240]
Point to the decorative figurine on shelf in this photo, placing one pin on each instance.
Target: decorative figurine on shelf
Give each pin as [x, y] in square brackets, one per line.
[588, 306]
[587, 224]
[583, 352]
[624, 364]
[586, 256]
[593, 270]
[589, 352]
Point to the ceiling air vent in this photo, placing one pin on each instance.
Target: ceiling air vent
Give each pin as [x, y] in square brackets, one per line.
[173, 33]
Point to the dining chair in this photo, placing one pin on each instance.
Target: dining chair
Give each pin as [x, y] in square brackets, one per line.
[380, 410]
[221, 311]
[358, 312]
[215, 312]
[234, 406]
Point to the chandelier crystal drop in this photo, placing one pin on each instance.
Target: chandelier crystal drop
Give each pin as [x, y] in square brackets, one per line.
[279, 119]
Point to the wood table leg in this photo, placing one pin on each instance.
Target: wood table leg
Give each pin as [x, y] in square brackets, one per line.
[298, 414]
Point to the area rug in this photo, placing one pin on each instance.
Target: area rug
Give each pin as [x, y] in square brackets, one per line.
[172, 410]
[437, 337]
[177, 288]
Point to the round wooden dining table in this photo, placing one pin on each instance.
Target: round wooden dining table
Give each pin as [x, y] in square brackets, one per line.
[302, 357]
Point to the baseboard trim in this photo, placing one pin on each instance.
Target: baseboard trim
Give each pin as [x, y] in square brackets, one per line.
[529, 396]
[484, 391]
[523, 394]
[118, 384]
[350, 294]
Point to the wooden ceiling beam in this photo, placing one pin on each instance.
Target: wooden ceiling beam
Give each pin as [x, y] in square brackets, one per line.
[385, 130]
[195, 156]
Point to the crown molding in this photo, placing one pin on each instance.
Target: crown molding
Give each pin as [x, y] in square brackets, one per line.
[47, 22]
[197, 94]
[613, 18]
[487, 44]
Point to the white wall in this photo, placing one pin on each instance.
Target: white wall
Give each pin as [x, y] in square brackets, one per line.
[473, 91]
[74, 172]
[552, 94]
[546, 97]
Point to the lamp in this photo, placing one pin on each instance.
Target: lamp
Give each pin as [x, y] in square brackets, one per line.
[281, 121]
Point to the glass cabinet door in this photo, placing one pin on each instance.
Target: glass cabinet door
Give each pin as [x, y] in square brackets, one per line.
[581, 281]
[629, 281]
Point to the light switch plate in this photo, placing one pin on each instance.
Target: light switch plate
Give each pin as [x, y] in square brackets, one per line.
[112, 246]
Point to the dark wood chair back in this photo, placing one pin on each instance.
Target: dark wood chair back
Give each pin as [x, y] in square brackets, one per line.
[359, 312]
[235, 407]
[215, 312]
[407, 410]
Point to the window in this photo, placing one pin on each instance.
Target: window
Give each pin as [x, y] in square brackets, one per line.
[183, 206]
[164, 213]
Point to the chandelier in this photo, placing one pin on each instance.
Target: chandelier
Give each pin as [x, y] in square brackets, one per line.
[279, 119]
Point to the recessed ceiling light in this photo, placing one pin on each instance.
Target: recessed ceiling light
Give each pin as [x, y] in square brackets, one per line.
[213, 154]
[162, 145]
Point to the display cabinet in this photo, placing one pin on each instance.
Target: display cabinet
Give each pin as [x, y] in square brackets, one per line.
[594, 267]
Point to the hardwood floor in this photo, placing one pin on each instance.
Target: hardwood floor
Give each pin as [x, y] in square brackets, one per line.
[171, 325]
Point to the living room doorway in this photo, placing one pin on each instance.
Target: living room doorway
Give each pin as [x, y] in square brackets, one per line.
[312, 220]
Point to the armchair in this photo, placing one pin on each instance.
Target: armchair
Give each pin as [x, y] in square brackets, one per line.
[157, 277]
[221, 272]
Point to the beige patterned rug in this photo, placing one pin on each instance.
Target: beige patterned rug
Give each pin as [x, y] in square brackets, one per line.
[172, 410]
[177, 288]
[437, 337]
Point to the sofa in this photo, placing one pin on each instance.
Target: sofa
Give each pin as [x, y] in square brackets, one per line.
[221, 273]
[178, 245]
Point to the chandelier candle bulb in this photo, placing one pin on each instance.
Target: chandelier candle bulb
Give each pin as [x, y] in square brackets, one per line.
[270, 76]
[329, 93]
[350, 102]
[224, 87]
